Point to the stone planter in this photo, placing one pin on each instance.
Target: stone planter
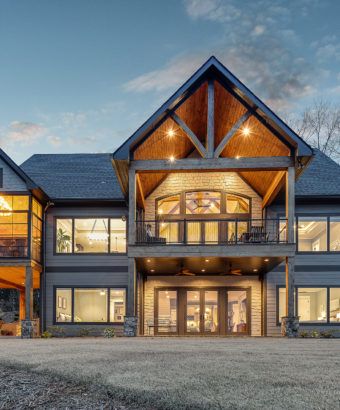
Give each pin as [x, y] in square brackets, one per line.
[29, 328]
[130, 326]
[290, 326]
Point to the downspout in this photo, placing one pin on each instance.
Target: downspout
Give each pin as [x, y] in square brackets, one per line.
[43, 313]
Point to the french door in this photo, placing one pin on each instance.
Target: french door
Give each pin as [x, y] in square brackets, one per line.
[202, 311]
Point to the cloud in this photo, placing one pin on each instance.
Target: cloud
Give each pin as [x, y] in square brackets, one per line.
[22, 132]
[256, 45]
[327, 48]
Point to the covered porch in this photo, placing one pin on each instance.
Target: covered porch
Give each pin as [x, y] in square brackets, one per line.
[25, 277]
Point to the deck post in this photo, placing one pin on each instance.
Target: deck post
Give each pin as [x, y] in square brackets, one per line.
[22, 305]
[130, 320]
[290, 323]
[28, 325]
[132, 207]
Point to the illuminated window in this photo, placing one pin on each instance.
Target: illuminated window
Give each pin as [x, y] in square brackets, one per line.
[117, 305]
[64, 236]
[91, 235]
[169, 205]
[334, 231]
[334, 305]
[63, 305]
[90, 305]
[203, 202]
[237, 204]
[118, 235]
[312, 304]
[312, 234]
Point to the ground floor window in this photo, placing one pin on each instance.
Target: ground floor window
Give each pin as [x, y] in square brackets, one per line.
[237, 311]
[90, 305]
[312, 304]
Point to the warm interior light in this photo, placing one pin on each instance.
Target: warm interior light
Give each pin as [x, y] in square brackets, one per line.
[171, 132]
[237, 157]
[149, 260]
[160, 211]
[266, 260]
[172, 158]
[203, 270]
[246, 131]
[207, 260]
[102, 293]
[255, 270]
[4, 206]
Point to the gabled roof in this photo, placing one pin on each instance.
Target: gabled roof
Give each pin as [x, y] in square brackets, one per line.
[321, 178]
[75, 176]
[219, 70]
[19, 171]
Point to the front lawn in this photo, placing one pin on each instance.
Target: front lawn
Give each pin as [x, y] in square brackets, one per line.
[184, 373]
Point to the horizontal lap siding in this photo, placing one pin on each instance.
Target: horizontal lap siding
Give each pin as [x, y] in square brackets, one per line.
[326, 276]
[11, 180]
[158, 281]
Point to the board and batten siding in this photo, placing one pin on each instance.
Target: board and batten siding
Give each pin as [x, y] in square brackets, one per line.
[102, 270]
[11, 180]
[252, 282]
[226, 181]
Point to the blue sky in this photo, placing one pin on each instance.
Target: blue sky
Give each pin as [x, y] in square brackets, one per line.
[81, 75]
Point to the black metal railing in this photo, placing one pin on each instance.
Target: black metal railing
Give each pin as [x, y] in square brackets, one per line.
[210, 231]
[13, 247]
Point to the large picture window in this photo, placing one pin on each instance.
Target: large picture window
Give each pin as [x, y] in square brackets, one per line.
[90, 305]
[312, 234]
[90, 235]
[313, 304]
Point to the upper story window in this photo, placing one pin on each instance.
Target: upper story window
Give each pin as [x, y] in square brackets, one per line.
[90, 235]
[14, 215]
[203, 202]
[318, 233]
[169, 205]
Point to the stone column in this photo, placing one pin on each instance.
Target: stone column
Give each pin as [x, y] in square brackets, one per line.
[290, 323]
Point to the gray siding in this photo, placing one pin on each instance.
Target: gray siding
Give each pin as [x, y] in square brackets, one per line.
[11, 181]
[80, 270]
[311, 269]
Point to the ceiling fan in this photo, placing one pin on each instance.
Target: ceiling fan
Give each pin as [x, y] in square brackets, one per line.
[231, 271]
[184, 272]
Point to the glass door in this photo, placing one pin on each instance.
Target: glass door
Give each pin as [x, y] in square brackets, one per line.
[237, 312]
[201, 311]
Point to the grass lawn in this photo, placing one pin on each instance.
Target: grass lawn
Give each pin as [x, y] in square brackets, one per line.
[190, 373]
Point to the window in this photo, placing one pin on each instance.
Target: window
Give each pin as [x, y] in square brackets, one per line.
[203, 202]
[334, 230]
[167, 311]
[312, 304]
[169, 205]
[36, 230]
[118, 235]
[117, 305]
[14, 225]
[90, 305]
[91, 235]
[63, 305]
[64, 236]
[237, 204]
[312, 234]
[316, 305]
[334, 305]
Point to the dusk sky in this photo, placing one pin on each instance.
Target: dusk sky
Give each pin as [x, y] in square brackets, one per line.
[81, 76]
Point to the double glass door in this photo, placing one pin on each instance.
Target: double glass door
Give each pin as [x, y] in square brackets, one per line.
[202, 311]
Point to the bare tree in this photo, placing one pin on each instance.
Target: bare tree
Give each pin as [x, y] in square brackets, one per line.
[319, 125]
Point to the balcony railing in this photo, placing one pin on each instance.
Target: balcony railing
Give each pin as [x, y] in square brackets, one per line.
[211, 231]
[13, 248]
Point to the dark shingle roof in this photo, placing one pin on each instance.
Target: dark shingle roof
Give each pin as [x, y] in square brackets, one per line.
[321, 178]
[74, 176]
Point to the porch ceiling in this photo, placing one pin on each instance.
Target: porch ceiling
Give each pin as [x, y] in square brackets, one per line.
[211, 265]
[13, 277]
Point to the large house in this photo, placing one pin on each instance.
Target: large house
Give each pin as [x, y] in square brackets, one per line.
[213, 218]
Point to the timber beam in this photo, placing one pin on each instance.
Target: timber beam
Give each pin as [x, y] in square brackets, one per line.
[11, 284]
[274, 188]
[213, 164]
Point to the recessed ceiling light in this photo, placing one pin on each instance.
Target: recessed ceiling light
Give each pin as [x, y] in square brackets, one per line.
[172, 158]
[171, 132]
[237, 157]
[148, 260]
[266, 260]
[255, 270]
[202, 270]
[152, 270]
[207, 260]
[246, 131]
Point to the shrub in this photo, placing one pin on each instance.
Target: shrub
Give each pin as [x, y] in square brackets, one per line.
[326, 334]
[304, 333]
[84, 332]
[46, 334]
[315, 334]
[56, 331]
[109, 332]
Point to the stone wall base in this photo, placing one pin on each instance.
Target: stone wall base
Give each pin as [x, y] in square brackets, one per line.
[130, 326]
[29, 328]
[290, 326]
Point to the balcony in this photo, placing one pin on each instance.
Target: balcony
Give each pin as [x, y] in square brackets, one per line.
[13, 248]
[244, 237]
